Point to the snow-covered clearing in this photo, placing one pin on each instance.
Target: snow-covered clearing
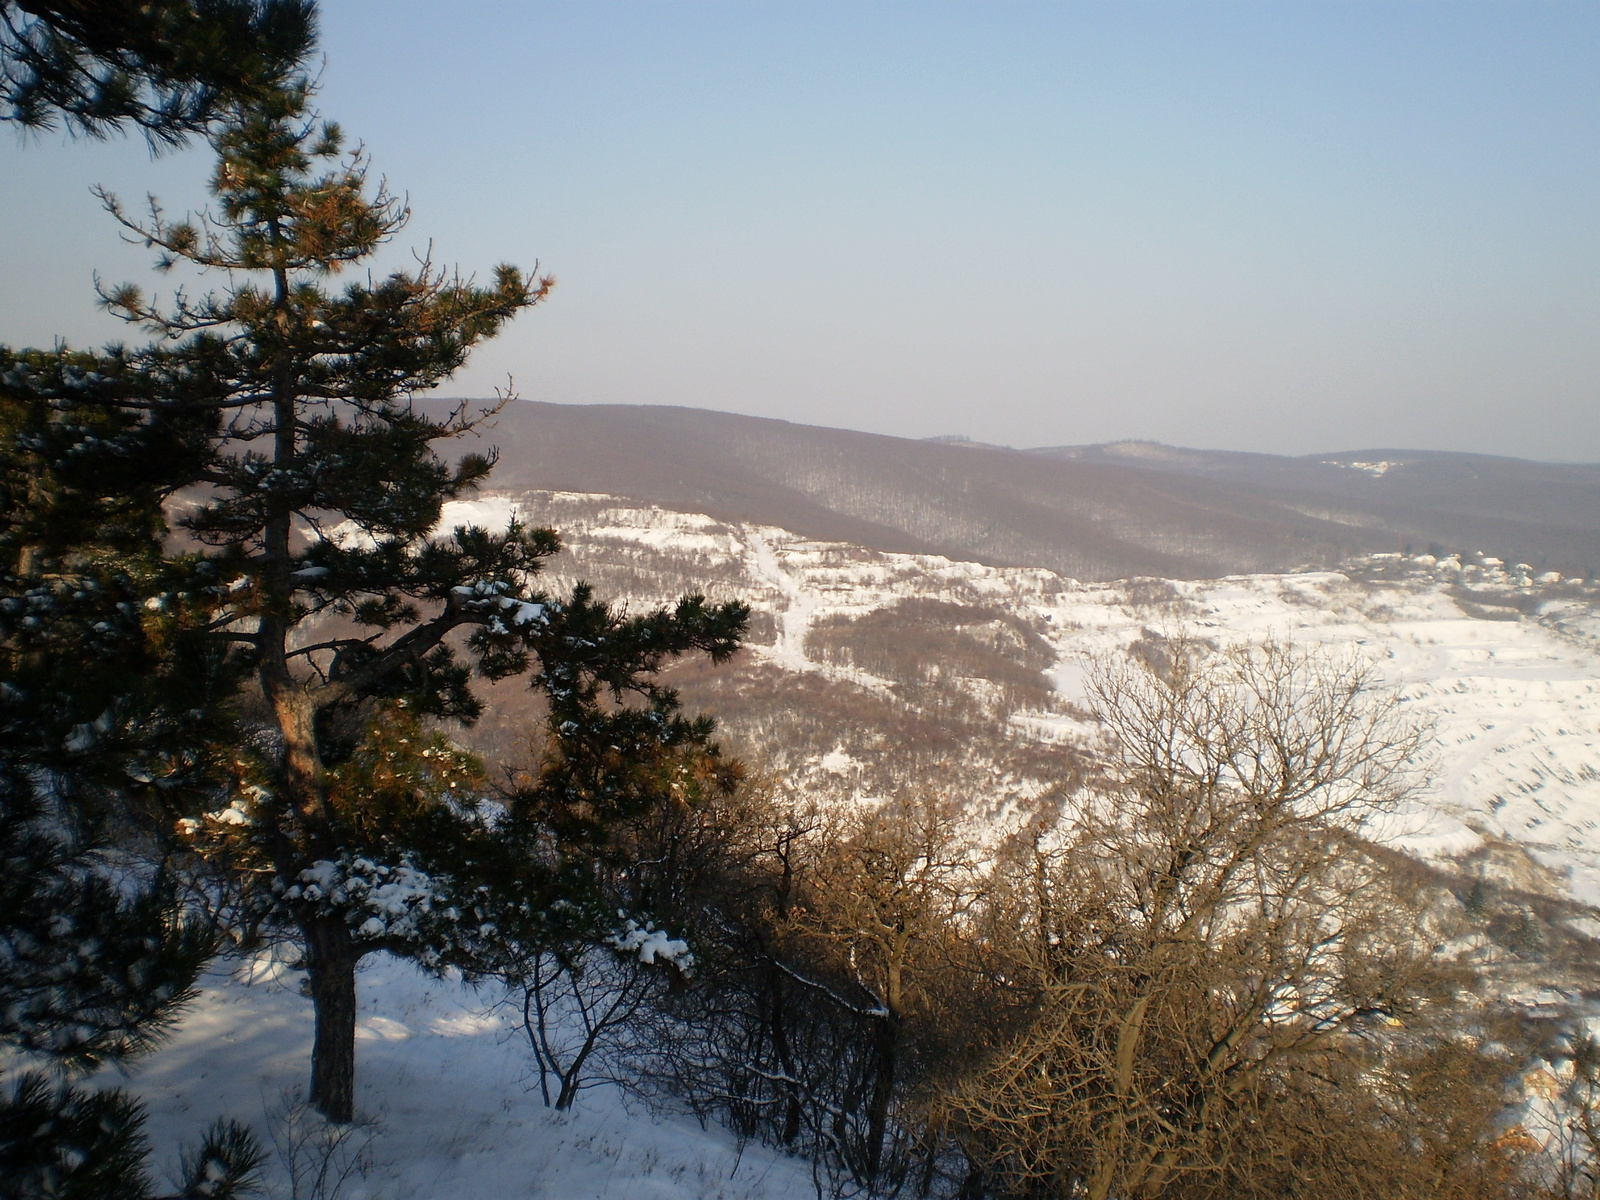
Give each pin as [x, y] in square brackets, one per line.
[1516, 706]
[1516, 703]
[446, 1080]
[798, 605]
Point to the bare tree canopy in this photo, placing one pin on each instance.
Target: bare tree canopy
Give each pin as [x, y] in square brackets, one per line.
[1213, 955]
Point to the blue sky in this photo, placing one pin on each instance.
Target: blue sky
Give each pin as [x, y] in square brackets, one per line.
[1283, 227]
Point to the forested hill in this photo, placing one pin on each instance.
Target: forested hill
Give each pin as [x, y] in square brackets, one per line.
[1089, 512]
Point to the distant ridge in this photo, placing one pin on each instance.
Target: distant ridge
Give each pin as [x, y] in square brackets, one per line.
[1534, 510]
[1091, 512]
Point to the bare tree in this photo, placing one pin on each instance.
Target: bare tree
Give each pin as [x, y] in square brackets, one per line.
[888, 892]
[743, 1040]
[831, 990]
[581, 1015]
[1573, 1169]
[322, 1159]
[1201, 936]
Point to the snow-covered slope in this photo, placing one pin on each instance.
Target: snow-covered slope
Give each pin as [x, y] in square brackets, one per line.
[1516, 706]
[1508, 666]
[449, 1110]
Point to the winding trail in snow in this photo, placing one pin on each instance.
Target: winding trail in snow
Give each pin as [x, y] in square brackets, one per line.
[793, 619]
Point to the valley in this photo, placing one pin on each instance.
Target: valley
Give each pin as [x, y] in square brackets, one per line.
[871, 673]
[1503, 665]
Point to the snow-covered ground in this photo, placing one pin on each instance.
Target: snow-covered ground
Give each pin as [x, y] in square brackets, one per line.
[1516, 706]
[445, 1083]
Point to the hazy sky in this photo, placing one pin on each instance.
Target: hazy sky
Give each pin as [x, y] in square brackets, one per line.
[1286, 227]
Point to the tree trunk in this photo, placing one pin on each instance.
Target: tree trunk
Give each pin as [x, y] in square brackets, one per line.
[569, 1087]
[779, 1026]
[885, 1052]
[775, 1007]
[331, 960]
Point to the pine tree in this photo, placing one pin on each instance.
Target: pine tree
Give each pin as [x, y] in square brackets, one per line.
[105, 706]
[166, 66]
[321, 575]
[98, 722]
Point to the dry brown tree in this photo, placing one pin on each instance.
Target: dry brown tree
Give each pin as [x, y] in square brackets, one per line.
[1210, 956]
[876, 932]
[903, 892]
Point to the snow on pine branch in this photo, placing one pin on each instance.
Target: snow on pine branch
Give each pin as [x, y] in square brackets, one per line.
[651, 946]
[384, 903]
[488, 596]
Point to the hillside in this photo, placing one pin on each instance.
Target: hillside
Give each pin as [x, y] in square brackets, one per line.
[1538, 512]
[843, 686]
[869, 672]
[1089, 513]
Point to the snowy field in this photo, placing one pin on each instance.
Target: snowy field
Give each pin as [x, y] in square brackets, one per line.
[1516, 702]
[1516, 706]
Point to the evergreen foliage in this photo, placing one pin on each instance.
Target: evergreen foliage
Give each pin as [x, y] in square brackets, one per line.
[69, 1143]
[348, 824]
[102, 699]
[167, 66]
[232, 732]
[106, 708]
